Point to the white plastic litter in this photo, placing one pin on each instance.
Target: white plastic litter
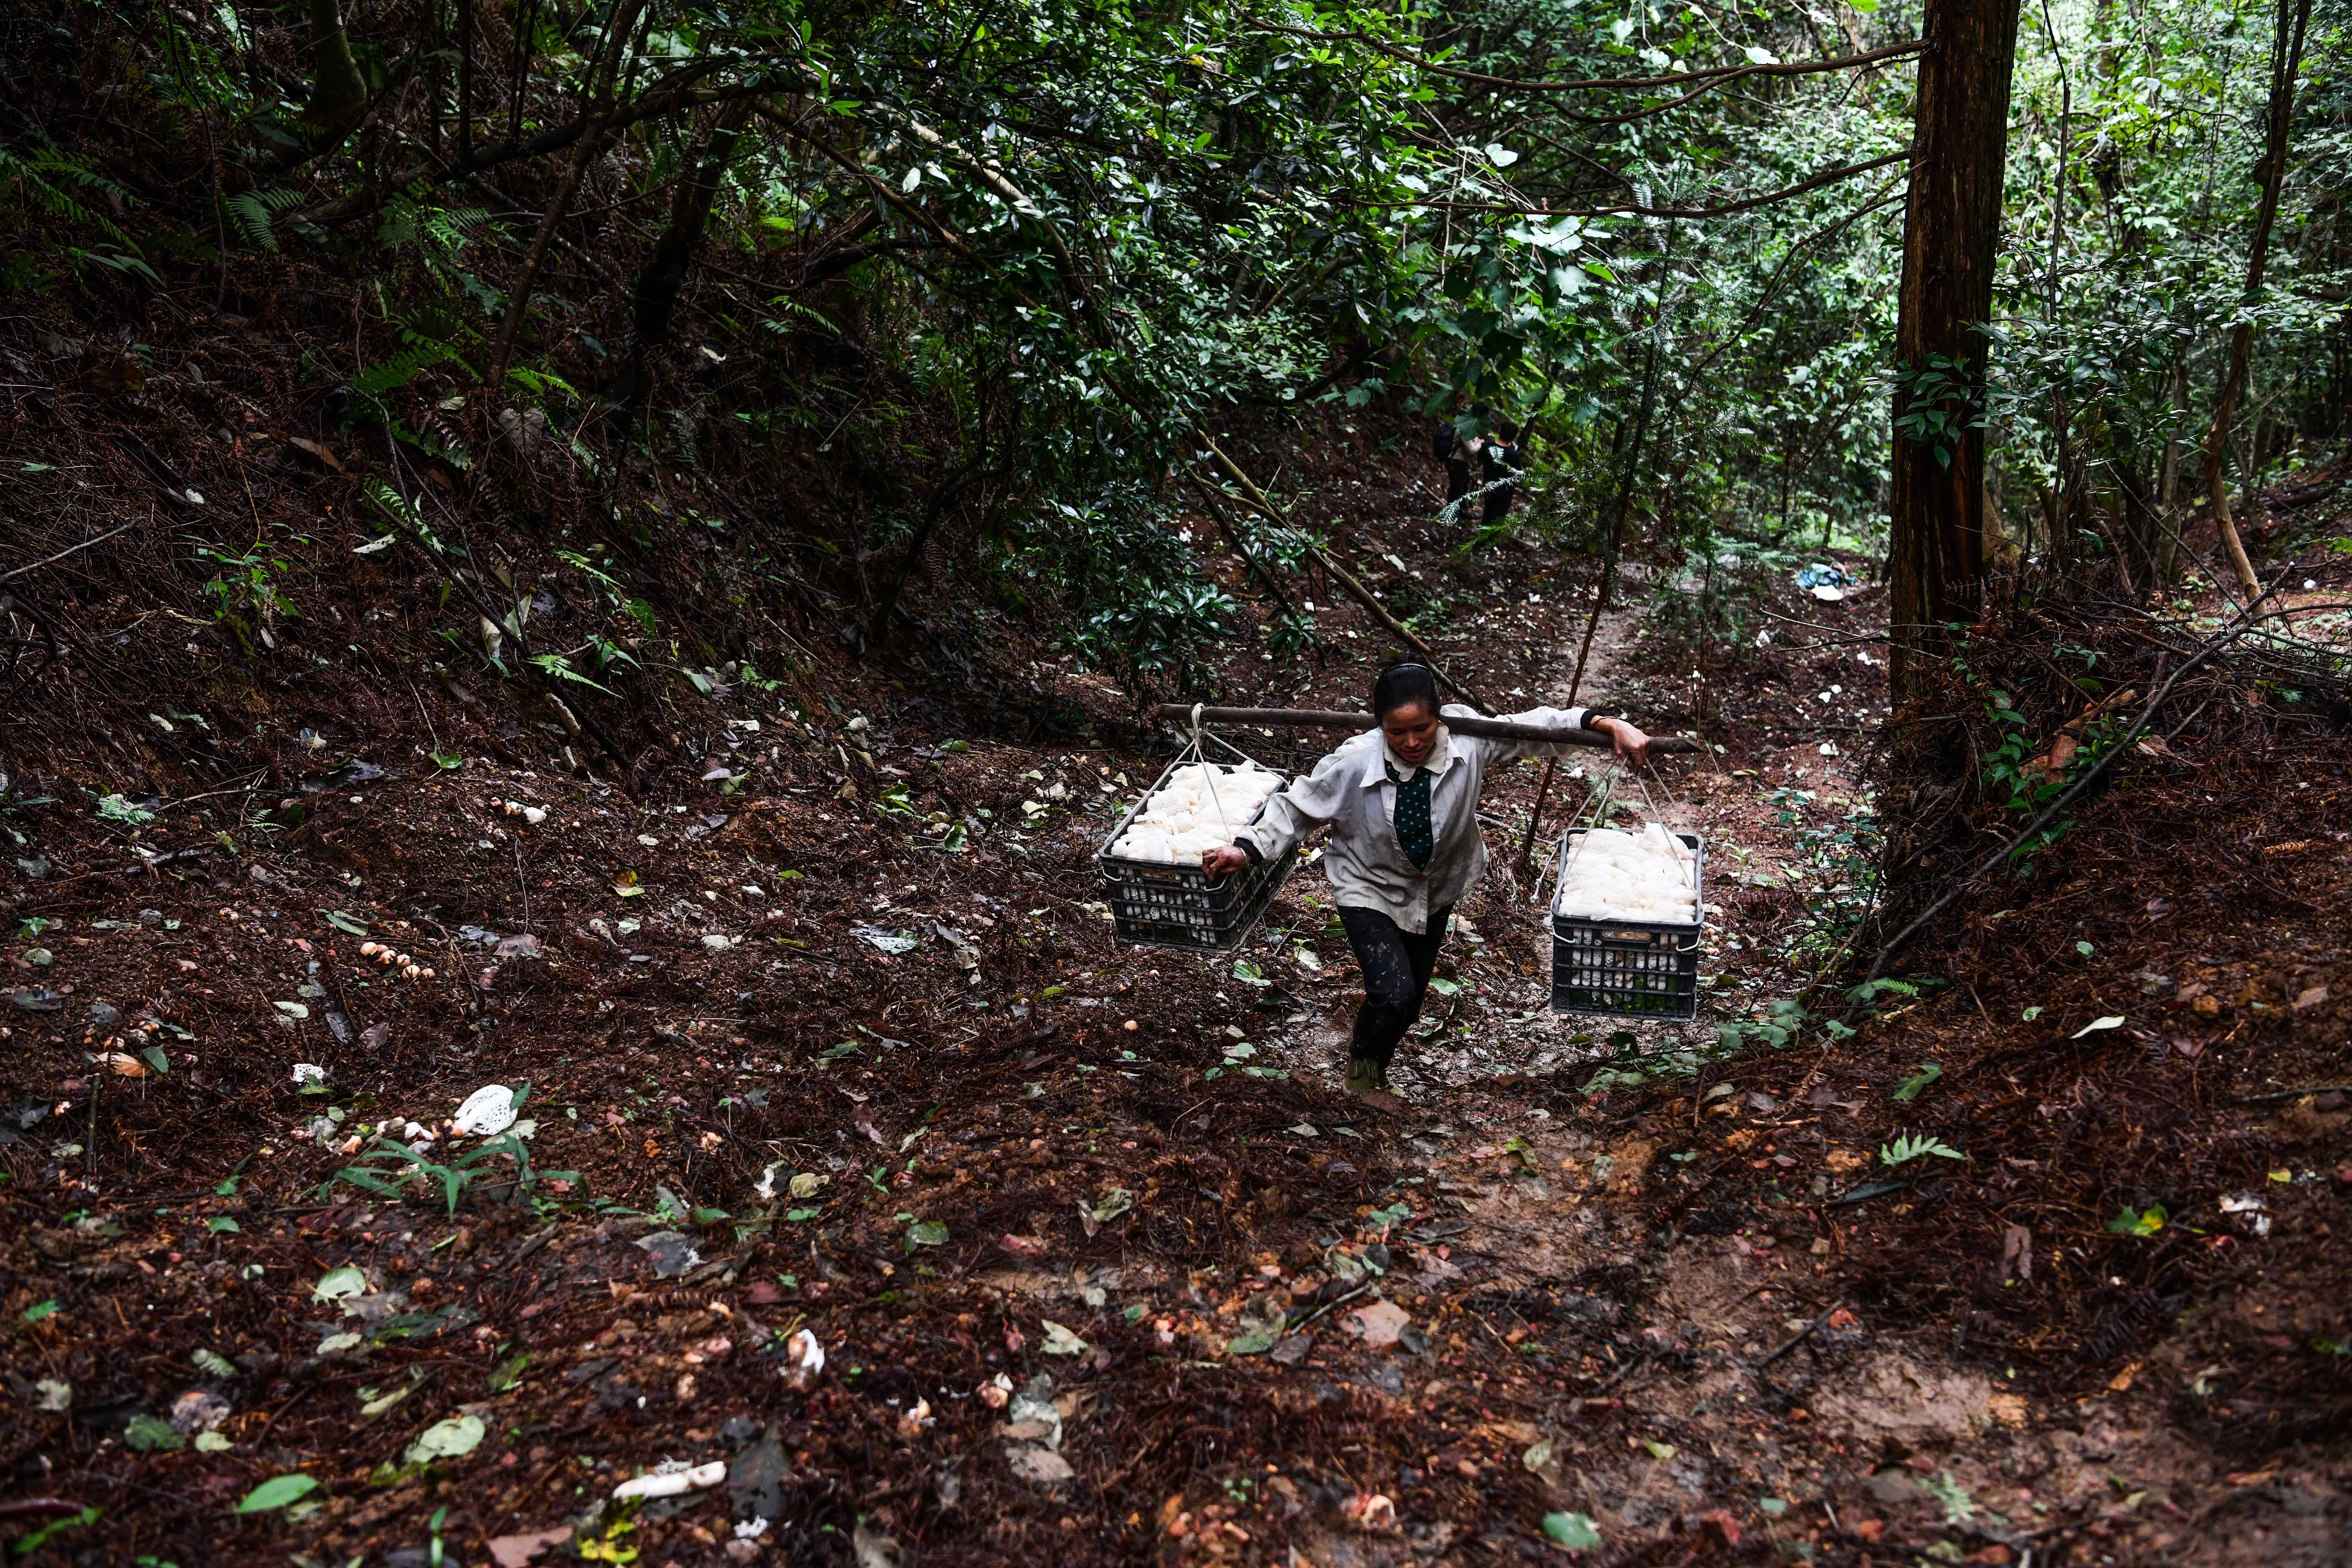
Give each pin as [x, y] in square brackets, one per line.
[1201, 808]
[488, 1110]
[310, 1072]
[803, 1351]
[672, 1483]
[1649, 875]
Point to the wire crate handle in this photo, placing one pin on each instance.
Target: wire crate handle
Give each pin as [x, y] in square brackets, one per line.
[1597, 815]
[1196, 751]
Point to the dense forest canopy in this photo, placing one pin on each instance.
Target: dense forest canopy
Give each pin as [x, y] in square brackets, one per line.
[1047, 247]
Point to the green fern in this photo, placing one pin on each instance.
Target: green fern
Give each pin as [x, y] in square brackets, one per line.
[45, 168]
[398, 371]
[256, 211]
[440, 232]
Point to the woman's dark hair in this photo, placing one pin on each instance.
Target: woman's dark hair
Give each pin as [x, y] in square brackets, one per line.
[1401, 685]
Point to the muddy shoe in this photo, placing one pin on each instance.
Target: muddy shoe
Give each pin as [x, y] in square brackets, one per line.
[1381, 1078]
[1363, 1075]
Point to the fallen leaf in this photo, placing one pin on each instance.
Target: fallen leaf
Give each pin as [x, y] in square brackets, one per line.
[873, 1548]
[1380, 1325]
[276, 1492]
[2016, 1254]
[1042, 1465]
[519, 1551]
[451, 1439]
[1574, 1530]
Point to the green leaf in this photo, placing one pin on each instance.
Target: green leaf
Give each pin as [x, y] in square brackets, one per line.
[337, 1283]
[453, 1438]
[152, 1434]
[2139, 1222]
[39, 1310]
[1911, 1088]
[276, 1492]
[221, 1224]
[1574, 1530]
[509, 1373]
[344, 920]
[154, 1057]
[927, 1233]
[1257, 1341]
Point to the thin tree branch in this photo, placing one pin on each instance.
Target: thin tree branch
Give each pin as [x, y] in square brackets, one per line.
[1725, 210]
[1719, 74]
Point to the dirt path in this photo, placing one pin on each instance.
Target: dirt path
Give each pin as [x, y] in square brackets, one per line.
[837, 1048]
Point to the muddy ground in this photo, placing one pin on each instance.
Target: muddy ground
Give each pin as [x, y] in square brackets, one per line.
[831, 1055]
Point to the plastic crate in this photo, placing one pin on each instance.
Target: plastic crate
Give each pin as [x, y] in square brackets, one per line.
[1155, 904]
[1626, 969]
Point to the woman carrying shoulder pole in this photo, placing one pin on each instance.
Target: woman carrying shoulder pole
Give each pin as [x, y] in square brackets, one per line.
[1402, 801]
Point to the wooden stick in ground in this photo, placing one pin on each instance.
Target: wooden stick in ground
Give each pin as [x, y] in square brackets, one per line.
[1346, 579]
[69, 550]
[1333, 718]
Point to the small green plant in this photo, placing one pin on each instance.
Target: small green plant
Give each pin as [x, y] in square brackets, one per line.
[1908, 1148]
[2129, 1221]
[243, 584]
[126, 813]
[387, 1167]
[39, 1538]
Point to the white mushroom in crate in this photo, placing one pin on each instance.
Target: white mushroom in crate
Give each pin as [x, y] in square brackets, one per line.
[1200, 806]
[1648, 878]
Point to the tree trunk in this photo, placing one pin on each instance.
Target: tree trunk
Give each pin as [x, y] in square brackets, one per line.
[2286, 63]
[465, 82]
[2167, 556]
[659, 285]
[338, 92]
[1951, 235]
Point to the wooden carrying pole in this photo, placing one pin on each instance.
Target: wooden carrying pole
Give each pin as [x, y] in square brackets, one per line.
[1461, 724]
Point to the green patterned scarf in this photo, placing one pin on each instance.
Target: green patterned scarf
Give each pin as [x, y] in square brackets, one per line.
[1414, 834]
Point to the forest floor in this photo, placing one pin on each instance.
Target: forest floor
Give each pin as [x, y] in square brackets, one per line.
[802, 1062]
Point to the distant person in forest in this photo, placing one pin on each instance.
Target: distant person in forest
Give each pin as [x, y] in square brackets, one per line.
[1402, 801]
[1504, 457]
[1460, 455]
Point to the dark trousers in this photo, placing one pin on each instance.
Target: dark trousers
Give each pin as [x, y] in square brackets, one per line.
[1396, 965]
